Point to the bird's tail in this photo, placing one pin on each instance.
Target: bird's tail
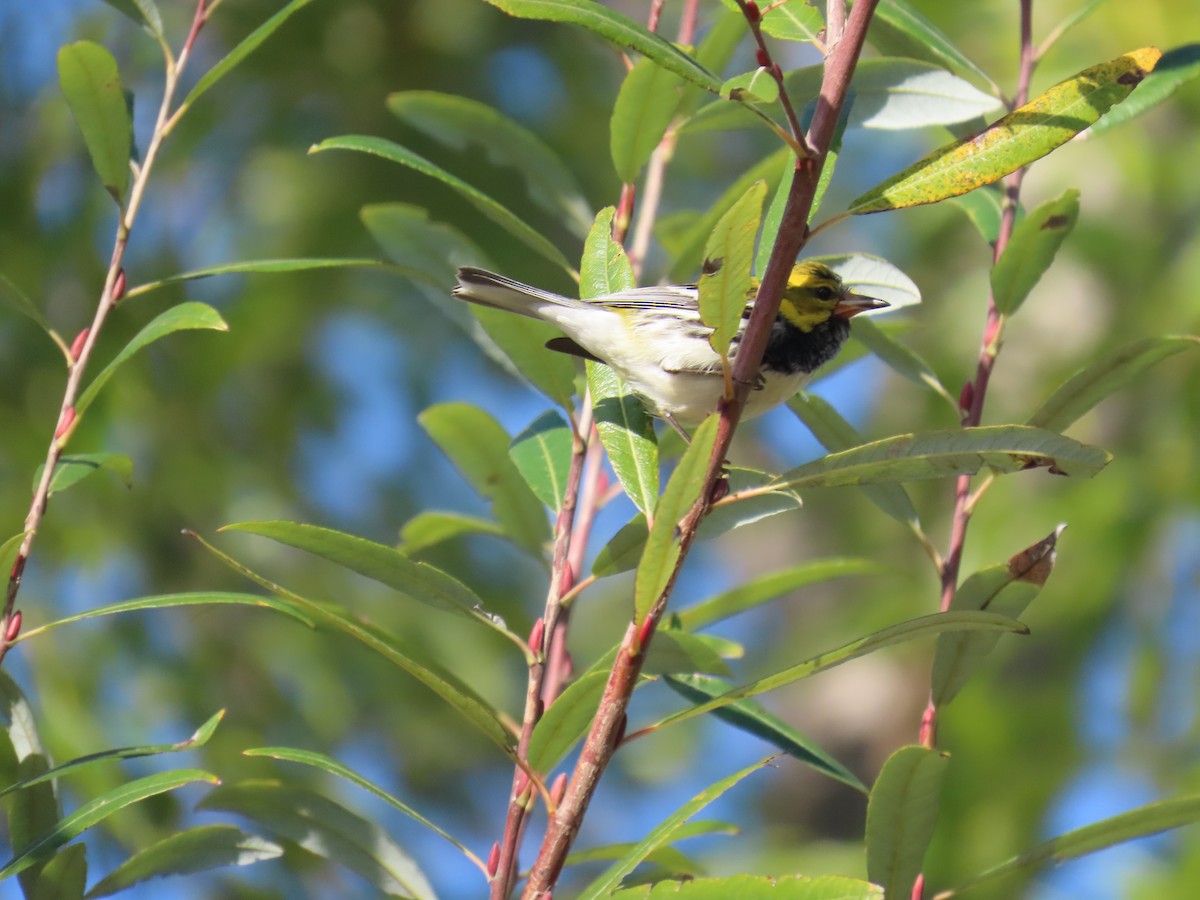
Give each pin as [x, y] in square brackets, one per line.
[489, 289]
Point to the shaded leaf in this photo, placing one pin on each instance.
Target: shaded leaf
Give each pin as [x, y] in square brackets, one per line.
[901, 815]
[184, 317]
[675, 652]
[982, 206]
[1031, 250]
[874, 277]
[644, 107]
[91, 83]
[728, 256]
[1025, 135]
[1178, 66]
[327, 829]
[617, 29]
[566, 720]
[266, 266]
[463, 123]
[96, 811]
[64, 877]
[74, 467]
[15, 298]
[751, 717]
[663, 834]
[427, 529]
[900, 30]
[896, 94]
[199, 849]
[144, 12]
[900, 358]
[1085, 389]
[624, 549]
[542, 454]
[939, 454]
[752, 497]
[755, 887]
[497, 212]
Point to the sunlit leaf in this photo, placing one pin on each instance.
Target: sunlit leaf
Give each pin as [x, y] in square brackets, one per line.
[427, 529]
[542, 454]
[906, 93]
[728, 257]
[247, 267]
[675, 652]
[757, 86]
[566, 720]
[1178, 66]
[901, 815]
[899, 30]
[755, 887]
[752, 497]
[644, 107]
[92, 85]
[74, 467]
[1031, 250]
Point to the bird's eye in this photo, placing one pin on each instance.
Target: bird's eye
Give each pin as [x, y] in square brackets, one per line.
[824, 292]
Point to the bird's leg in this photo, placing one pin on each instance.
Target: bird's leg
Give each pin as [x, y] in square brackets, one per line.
[757, 383]
[670, 420]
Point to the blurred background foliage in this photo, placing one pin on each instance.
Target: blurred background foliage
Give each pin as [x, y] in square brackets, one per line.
[306, 410]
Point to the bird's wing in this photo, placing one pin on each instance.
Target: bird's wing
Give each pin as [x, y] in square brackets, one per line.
[682, 297]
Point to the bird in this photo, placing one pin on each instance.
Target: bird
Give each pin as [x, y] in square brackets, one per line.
[652, 337]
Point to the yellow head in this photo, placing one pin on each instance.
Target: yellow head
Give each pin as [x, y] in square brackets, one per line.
[815, 293]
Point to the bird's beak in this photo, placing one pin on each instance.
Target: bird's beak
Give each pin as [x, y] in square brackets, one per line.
[853, 304]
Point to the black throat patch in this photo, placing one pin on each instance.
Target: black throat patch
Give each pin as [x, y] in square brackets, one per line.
[790, 350]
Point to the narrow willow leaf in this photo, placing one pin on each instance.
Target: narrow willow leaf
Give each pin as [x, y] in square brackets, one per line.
[72, 468]
[1025, 135]
[463, 123]
[64, 877]
[270, 266]
[199, 738]
[662, 544]
[645, 106]
[663, 833]
[235, 56]
[940, 454]
[895, 94]
[424, 249]
[91, 83]
[663, 860]
[1144, 821]
[9, 549]
[326, 829]
[497, 212]
[1031, 250]
[755, 887]
[898, 29]
[901, 815]
[728, 256]
[184, 317]
[542, 454]
[875, 277]
[774, 216]
[751, 717]
[33, 812]
[900, 358]
[144, 12]
[478, 447]
[1085, 389]
[522, 341]
[340, 770]
[171, 601]
[199, 849]
[427, 529]
[925, 626]
[1178, 66]
[605, 268]
[1073, 19]
[677, 652]
[566, 720]
[835, 435]
[624, 549]
[1007, 589]
[764, 588]
[758, 86]
[416, 580]
[793, 20]
[615, 28]
[982, 206]
[96, 811]
[752, 497]
[15, 298]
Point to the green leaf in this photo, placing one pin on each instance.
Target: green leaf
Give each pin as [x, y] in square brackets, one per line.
[144, 12]
[875, 277]
[92, 85]
[1144, 821]
[1031, 250]
[498, 213]
[418, 581]
[752, 497]
[835, 435]
[199, 738]
[1025, 135]
[74, 467]
[940, 454]
[1007, 589]
[757, 86]
[15, 298]
[270, 266]
[566, 720]
[9, 550]
[900, 358]
[982, 206]
[645, 105]
[1085, 389]
[728, 255]
[925, 626]
[793, 20]
[662, 551]
[64, 877]
[764, 588]
[667, 859]
[605, 268]
[235, 56]
[542, 454]
[478, 447]
[755, 887]
[333, 767]
[463, 123]
[616, 28]
[522, 341]
[189, 316]
[426, 251]
[901, 815]
[663, 834]
[677, 652]
[897, 29]
[624, 549]
[96, 811]
[897, 94]
[199, 849]
[427, 529]
[1177, 67]
[774, 216]
[751, 717]
[326, 829]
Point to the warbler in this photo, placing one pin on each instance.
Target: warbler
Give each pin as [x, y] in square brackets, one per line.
[653, 337]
